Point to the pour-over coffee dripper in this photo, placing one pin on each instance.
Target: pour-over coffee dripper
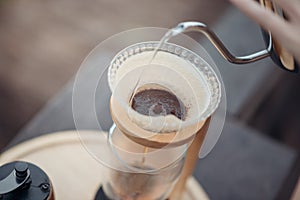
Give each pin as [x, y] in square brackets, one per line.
[193, 73]
[187, 76]
[175, 69]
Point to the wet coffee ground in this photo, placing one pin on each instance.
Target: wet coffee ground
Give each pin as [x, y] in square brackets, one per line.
[156, 102]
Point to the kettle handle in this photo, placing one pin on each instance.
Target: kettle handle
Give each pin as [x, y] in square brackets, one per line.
[278, 53]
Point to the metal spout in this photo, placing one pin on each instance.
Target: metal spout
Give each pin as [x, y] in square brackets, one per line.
[213, 38]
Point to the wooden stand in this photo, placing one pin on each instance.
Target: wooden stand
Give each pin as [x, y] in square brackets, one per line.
[75, 174]
[190, 162]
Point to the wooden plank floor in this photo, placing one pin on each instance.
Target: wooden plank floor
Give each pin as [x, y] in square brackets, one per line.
[42, 43]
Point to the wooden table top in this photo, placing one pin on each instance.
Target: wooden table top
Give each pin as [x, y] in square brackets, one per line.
[75, 174]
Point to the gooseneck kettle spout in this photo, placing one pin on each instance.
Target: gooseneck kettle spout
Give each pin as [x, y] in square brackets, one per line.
[275, 50]
[213, 38]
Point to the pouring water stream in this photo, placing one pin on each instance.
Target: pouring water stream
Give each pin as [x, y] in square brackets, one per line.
[170, 33]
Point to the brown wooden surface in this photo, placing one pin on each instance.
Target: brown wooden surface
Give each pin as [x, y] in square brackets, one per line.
[72, 170]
